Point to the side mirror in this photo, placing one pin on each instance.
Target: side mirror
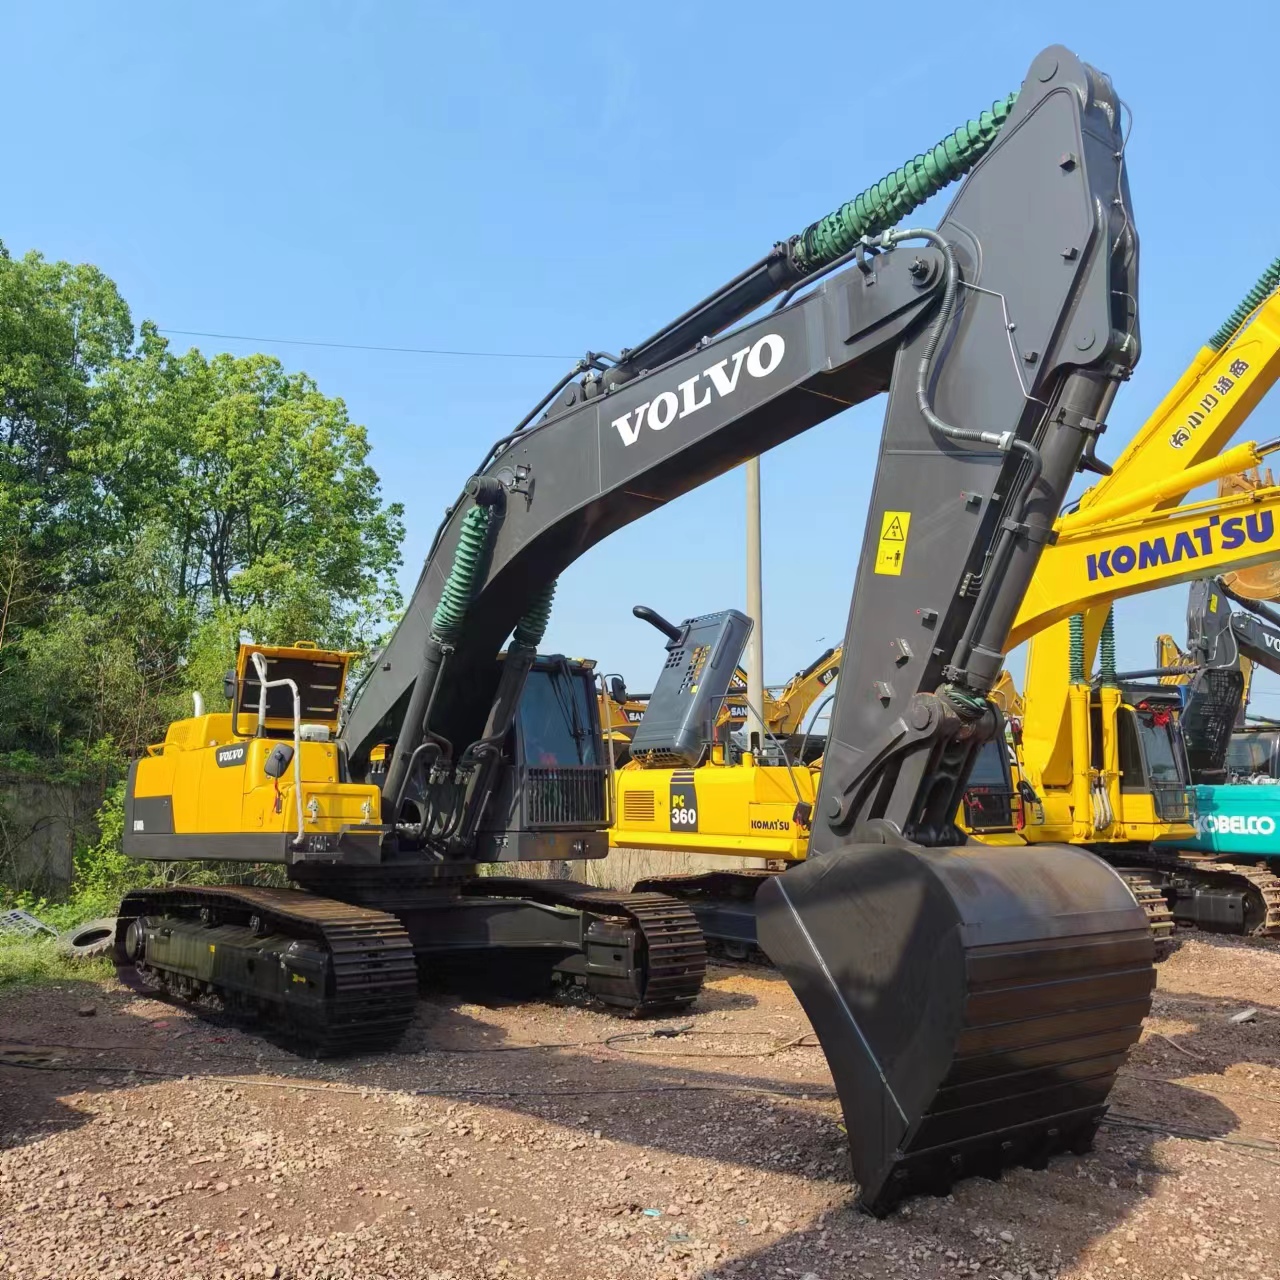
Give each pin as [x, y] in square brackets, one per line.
[229, 686]
[278, 761]
[618, 690]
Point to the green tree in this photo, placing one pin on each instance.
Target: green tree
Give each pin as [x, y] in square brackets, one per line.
[155, 507]
[61, 327]
[261, 488]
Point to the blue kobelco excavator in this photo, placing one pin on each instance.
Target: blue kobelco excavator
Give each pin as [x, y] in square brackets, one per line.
[1225, 878]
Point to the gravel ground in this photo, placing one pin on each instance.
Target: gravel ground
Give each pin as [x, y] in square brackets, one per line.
[142, 1141]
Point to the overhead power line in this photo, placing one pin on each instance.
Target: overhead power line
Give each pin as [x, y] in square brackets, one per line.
[362, 346]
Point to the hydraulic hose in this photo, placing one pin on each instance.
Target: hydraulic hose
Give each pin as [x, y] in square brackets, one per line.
[813, 719]
[899, 193]
[1106, 648]
[469, 561]
[531, 627]
[820, 244]
[466, 574]
[782, 751]
[1004, 441]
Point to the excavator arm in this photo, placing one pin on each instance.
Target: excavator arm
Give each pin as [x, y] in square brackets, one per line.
[791, 703]
[1223, 645]
[1218, 636]
[1255, 633]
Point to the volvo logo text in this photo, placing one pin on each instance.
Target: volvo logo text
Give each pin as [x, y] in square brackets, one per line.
[720, 380]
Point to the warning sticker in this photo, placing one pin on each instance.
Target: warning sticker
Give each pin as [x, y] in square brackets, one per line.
[894, 526]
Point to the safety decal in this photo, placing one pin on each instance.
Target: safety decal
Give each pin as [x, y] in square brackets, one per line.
[892, 547]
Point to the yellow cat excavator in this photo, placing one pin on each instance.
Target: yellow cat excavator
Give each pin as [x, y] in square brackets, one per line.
[1128, 783]
[920, 958]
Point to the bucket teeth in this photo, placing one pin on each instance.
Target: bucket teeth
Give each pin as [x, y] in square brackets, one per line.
[974, 1003]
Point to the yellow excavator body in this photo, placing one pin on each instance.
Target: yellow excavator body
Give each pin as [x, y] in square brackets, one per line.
[735, 810]
[210, 773]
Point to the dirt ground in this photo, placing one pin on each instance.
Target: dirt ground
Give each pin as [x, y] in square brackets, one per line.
[505, 1141]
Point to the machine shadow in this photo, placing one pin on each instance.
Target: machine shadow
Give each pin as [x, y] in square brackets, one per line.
[37, 1070]
[696, 1096]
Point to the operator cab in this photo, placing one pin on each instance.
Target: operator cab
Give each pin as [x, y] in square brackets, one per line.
[991, 800]
[1153, 757]
[1254, 752]
[550, 792]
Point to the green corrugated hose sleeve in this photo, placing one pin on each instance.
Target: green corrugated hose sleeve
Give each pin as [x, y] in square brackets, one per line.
[1265, 286]
[890, 200]
[529, 630]
[469, 563]
[1107, 649]
[1076, 668]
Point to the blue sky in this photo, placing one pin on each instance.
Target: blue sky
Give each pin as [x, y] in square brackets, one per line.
[547, 178]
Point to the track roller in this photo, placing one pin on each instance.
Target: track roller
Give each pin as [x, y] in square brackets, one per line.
[1152, 901]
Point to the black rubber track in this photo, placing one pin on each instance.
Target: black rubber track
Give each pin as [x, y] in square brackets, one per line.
[675, 950]
[371, 982]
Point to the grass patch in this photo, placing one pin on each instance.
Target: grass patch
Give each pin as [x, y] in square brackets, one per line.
[25, 962]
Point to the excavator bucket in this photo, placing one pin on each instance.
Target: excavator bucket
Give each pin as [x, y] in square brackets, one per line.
[974, 1003]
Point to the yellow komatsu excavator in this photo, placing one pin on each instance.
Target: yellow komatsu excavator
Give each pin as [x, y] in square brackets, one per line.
[1066, 757]
[1118, 776]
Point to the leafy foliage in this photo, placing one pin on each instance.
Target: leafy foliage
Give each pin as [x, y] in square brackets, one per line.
[155, 508]
[27, 961]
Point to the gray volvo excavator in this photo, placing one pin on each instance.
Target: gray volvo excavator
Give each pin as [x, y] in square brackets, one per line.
[974, 1003]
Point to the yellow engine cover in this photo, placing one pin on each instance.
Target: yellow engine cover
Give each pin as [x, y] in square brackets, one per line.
[739, 810]
[216, 783]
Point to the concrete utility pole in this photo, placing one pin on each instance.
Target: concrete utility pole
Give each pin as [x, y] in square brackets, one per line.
[755, 604]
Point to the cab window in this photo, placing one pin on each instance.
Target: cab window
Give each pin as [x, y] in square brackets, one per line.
[555, 720]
